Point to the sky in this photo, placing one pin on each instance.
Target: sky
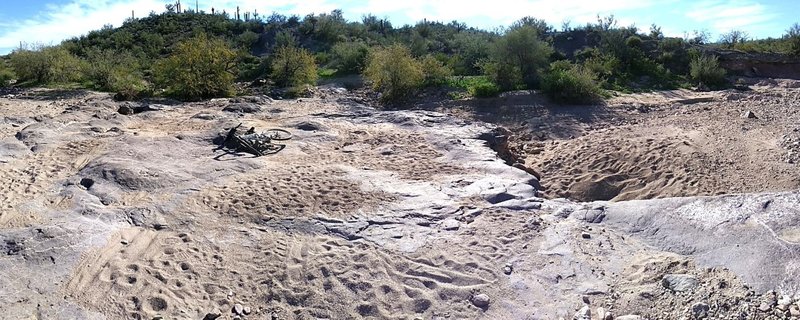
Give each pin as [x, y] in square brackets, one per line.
[51, 21]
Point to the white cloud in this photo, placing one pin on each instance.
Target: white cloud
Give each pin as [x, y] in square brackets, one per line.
[75, 18]
[724, 16]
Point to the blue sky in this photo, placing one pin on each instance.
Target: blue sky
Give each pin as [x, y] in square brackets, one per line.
[50, 21]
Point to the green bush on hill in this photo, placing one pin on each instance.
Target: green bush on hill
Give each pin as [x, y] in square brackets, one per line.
[199, 68]
[621, 58]
[569, 83]
[6, 74]
[484, 90]
[114, 71]
[46, 65]
[705, 69]
[793, 36]
[349, 57]
[436, 73]
[293, 67]
[394, 72]
[517, 58]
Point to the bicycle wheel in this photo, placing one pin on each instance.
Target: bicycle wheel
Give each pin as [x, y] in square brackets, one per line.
[278, 134]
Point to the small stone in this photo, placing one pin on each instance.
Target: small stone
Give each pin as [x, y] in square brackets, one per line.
[749, 115]
[785, 300]
[213, 315]
[247, 310]
[507, 269]
[700, 310]
[585, 313]
[124, 242]
[586, 235]
[481, 301]
[308, 126]
[679, 282]
[238, 309]
[764, 307]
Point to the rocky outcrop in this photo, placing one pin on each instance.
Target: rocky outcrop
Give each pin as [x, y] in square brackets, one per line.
[766, 65]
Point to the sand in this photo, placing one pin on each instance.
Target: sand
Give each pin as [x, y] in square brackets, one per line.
[369, 214]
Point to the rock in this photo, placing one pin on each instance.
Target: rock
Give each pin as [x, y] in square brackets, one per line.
[764, 307]
[521, 204]
[86, 183]
[238, 309]
[785, 301]
[451, 224]
[594, 215]
[629, 317]
[563, 212]
[794, 311]
[481, 301]
[242, 108]
[385, 150]
[585, 313]
[679, 282]
[700, 310]
[213, 315]
[603, 314]
[527, 169]
[586, 235]
[129, 108]
[204, 116]
[308, 126]
[533, 222]
[695, 100]
[125, 110]
[247, 310]
[749, 115]
[508, 268]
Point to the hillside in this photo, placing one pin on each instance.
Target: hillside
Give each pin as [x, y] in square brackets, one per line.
[569, 65]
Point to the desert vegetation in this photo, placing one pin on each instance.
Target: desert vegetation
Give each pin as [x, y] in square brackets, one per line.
[573, 65]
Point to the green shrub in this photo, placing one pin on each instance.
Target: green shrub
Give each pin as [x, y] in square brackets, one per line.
[793, 35]
[436, 73]
[569, 83]
[45, 65]
[705, 69]
[293, 67]
[130, 86]
[633, 42]
[484, 90]
[517, 58]
[247, 39]
[198, 68]
[349, 57]
[6, 75]
[108, 69]
[505, 75]
[394, 72]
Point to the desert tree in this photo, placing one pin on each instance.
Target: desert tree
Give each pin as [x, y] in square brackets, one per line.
[733, 37]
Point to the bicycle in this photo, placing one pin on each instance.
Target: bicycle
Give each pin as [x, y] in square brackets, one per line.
[258, 144]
